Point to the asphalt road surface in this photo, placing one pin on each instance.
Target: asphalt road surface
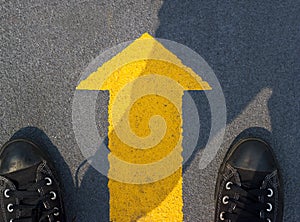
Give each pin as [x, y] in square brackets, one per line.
[252, 46]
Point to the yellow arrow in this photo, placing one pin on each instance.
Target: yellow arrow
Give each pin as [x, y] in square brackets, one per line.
[146, 84]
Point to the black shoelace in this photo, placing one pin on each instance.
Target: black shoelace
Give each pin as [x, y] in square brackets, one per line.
[31, 203]
[248, 207]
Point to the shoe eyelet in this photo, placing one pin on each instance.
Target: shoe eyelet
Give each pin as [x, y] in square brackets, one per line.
[222, 215]
[269, 220]
[234, 207]
[5, 193]
[53, 195]
[9, 208]
[57, 211]
[261, 214]
[271, 192]
[270, 207]
[49, 181]
[228, 185]
[225, 200]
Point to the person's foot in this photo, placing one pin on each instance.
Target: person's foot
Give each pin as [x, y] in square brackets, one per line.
[29, 188]
[249, 187]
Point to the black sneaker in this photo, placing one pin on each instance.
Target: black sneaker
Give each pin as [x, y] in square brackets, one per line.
[249, 187]
[29, 188]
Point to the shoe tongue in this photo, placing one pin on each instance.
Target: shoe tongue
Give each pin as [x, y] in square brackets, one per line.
[251, 179]
[22, 177]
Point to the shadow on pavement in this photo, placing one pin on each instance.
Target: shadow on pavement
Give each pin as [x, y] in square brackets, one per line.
[93, 195]
[250, 46]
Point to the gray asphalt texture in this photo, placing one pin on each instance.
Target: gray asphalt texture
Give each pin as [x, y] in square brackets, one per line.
[252, 46]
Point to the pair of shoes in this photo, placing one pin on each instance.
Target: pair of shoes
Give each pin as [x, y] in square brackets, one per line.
[29, 185]
[248, 188]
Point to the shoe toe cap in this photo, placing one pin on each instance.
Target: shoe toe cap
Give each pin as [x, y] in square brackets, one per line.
[254, 155]
[18, 155]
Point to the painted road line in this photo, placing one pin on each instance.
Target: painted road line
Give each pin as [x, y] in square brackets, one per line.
[145, 129]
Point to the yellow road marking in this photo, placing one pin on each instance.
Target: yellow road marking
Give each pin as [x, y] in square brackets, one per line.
[146, 84]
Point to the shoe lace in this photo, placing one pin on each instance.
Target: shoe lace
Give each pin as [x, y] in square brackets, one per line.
[248, 207]
[31, 202]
